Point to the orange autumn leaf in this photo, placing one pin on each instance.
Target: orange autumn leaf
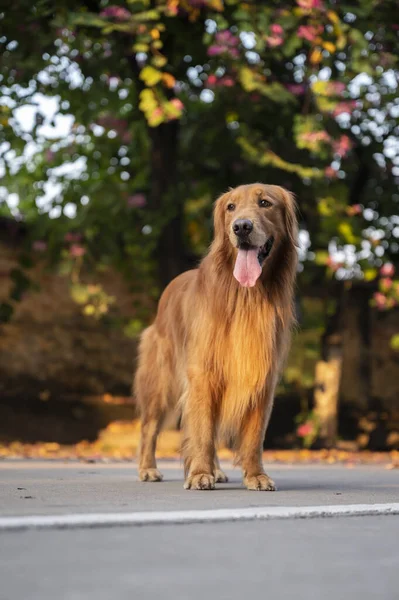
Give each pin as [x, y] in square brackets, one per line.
[315, 56]
[334, 18]
[168, 80]
[329, 46]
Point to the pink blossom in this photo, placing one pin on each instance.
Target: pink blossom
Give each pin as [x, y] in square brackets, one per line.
[227, 38]
[77, 251]
[173, 10]
[137, 200]
[116, 12]
[330, 172]
[315, 137]
[335, 87]
[296, 88]
[380, 300]
[226, 82]
[39, 245]
[177, 103]
[356, 209]
[310, 4]
[215, 50]
[274, 41]
[73, 237]
[276, 29]
[305, 429]
[226, 43]
[387, 270]
[157, 112]
[386, 284]
[309, 32]
[342, 146]
[344, 107]
[212, 80]
[276, 38]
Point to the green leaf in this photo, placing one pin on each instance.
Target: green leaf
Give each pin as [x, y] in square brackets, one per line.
[395, 342]
[139, 47]
[87, 19]
[346, 231]
[370, 274]
[150, 76]
[321, 257]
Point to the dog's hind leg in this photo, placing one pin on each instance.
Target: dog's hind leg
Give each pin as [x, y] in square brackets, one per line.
[220, 476]
[151, 391]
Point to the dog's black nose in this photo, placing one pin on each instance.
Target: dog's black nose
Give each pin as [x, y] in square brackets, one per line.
[242, 227]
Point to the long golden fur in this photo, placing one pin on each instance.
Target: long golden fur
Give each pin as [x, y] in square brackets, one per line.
[216, 348]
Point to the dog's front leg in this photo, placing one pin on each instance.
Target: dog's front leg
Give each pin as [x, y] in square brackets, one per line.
[251, 446]
[199, 421]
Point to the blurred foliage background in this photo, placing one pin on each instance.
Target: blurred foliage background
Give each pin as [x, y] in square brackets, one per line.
[120, 123]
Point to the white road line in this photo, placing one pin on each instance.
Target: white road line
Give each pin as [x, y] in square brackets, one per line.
[87, 520]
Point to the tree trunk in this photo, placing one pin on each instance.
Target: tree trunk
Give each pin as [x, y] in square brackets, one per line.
[164, 199]
[356, 371]
[327, 382]
[328, 377]
[343, 375]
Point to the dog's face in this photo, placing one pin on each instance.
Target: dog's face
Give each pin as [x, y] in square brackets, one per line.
[256, 219]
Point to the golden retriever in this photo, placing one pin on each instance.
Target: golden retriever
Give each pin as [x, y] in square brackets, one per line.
[220, 338]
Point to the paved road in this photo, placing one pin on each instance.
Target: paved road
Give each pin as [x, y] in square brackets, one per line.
[321, 559]
[353, 558]
[59, 488]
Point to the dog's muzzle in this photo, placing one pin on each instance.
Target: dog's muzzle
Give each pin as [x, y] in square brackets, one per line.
[242, 228]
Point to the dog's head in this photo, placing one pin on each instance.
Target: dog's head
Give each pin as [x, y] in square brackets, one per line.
[255, 219]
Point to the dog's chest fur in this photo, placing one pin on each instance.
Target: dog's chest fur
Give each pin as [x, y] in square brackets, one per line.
[243, 352]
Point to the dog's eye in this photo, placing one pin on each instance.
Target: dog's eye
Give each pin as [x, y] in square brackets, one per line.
[265, 203]
[231, 207]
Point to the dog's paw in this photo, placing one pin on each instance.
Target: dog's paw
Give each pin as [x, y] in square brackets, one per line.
[150, 475]
[202, 481]
[220, 476]
[260, 483]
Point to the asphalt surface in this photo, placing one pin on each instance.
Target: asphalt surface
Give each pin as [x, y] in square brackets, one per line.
[322, 559]
[38, 488]
[355, 558]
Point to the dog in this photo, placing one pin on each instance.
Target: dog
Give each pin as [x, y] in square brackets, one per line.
[216, 349]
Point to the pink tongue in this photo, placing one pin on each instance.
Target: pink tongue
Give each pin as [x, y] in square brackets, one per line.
[247, 268]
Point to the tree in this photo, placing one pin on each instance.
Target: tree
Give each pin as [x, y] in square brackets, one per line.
[169, 102]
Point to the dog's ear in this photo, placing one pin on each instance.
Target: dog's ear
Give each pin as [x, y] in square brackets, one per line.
[290, 208]
[219, 211]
